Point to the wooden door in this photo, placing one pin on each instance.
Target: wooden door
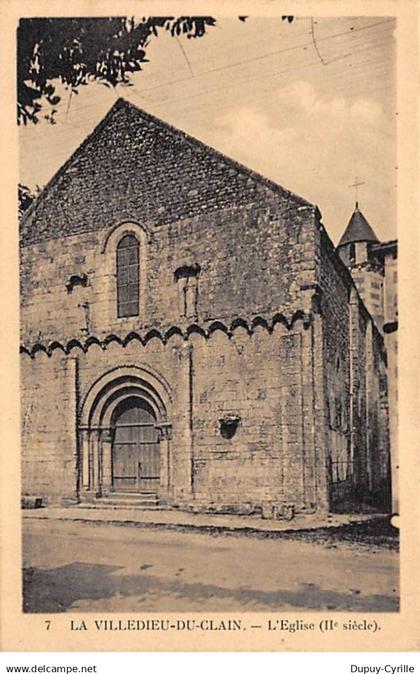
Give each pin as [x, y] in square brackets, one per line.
[136, 460]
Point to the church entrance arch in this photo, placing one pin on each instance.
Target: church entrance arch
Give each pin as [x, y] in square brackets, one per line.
[125, 434]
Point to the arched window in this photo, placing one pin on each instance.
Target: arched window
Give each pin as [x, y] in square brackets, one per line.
[128, 276]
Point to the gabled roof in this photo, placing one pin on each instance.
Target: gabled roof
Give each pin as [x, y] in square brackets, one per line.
[358, 229]
[137, 167]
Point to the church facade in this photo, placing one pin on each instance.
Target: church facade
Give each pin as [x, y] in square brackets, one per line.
[191, 338]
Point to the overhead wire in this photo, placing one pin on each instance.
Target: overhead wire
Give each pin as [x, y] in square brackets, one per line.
[206, 91]
[174, 102]
[262, 56]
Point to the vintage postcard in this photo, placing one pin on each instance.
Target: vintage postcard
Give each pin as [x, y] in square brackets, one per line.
[210, 401]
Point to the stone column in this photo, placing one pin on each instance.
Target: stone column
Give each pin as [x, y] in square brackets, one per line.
[85, 462]
[182, 471]
[309, 473]
[96, 462]
[107, 436]
[166, 482]
[322, 449]
[317, 447]
[89, 445]
[292, 415]
[70, 484]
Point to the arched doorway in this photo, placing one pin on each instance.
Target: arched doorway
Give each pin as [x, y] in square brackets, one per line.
[135, 448]
[125, 434]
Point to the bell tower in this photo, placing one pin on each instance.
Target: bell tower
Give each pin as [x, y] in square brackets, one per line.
[356, 249]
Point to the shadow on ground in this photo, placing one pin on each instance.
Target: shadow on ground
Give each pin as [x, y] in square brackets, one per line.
[377, 533]
[57, 590]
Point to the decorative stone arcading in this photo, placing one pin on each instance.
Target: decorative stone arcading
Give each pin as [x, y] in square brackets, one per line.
[312, 306]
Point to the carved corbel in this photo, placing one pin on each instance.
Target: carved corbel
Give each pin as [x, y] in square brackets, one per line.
[228, 425]
[76, 280]
[313, 292]
[107, 434]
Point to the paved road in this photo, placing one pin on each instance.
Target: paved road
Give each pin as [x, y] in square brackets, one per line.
[73, 566]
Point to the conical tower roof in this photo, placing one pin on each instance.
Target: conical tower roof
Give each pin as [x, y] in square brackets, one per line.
[358, 229]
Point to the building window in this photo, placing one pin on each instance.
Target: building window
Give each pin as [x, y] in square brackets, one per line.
[352, 253]
[128, 276]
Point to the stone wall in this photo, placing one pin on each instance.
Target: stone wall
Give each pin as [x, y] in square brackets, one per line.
[241, 254]
[355, 389]
[276, 335]
[49, 427]
[335, 285]
[249, 352]
[291, 364]
[391, 340]
[264, 378]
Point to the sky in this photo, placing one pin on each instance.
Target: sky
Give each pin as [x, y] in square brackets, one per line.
[310, 105]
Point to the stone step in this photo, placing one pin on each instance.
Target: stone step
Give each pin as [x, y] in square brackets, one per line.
[102, 504]
[132, 496]
[127, 504]
[129, 500]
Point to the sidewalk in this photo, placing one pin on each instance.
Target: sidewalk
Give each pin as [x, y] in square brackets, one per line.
[179, 520]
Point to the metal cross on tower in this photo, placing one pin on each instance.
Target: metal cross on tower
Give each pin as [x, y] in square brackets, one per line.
[356, 185]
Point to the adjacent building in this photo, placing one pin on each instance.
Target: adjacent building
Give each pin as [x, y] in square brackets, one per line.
[373, 266]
